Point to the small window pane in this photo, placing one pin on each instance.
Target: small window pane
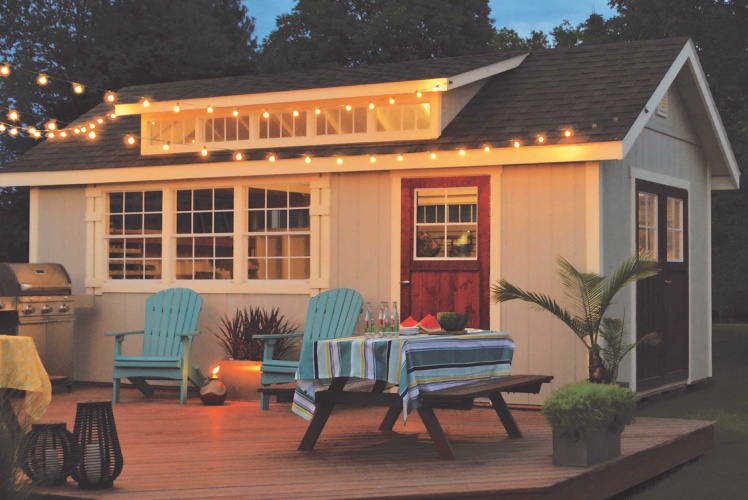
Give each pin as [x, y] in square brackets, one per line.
[647, 225]
[232, 124]
[243, 128]
[153, 201]
[446, 223]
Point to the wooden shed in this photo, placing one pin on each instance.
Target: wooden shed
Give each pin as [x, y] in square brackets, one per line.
[421, 182]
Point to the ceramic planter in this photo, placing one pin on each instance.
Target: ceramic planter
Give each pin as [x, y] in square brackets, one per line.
[242, 379]
[598, 445]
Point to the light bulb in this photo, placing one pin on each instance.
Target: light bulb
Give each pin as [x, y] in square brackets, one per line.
[146, 103]
[235, 112]
[419, 94]
[210, 109]
[5, 69]
[307, 160]
[13, 131]
[399, 157]
[271, 158]
[63, 134]
[110, 97]
[541, 139]
[433, 156]
[295, 113]
[339, 161]
[238, 156]
[373, 159]
[567, 133]
[92, 135]
[516, 144]
[348, 107]
[78, 88]
[392, 100]
[37, 134]
[266, 115]
[2, 127]
[91, 125]
[130, 139]
[371, 105]
[50, 125]
[83, 129]
[42, 79]
[112, 115]
[486, 149]
[77, 130]
[176, 108]
[317, 111]
[204, 151]
[31, 130]
[166, 146]
[13, 115]
[50, 135]
[462, 152]
[99, 121]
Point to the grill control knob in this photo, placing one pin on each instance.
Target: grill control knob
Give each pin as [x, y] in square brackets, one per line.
[28, 309]
[2, 305]
[46, 309]
[64, 308]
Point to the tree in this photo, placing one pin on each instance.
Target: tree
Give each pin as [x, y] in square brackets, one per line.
[332, 33]
[590, 294]
[105, 44]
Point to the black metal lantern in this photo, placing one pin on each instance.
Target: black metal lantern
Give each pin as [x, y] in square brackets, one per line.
[99, 454]
[49, 453]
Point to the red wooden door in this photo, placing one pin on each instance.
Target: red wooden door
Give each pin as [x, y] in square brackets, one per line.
[445, 238]
[662, 300]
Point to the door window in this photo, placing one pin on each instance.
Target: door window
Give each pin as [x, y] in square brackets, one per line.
[446, 223]
[647, 225]
[674, 229]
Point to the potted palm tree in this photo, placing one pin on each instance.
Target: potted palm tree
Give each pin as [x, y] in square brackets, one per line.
[237, 335]
[590, 294]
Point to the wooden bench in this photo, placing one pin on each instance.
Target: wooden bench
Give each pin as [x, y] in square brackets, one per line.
[455, 398]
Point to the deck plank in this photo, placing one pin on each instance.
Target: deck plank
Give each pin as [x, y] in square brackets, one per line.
[236, 450]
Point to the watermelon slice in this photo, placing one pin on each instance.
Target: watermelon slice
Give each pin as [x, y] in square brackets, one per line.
[429, 324]
[408, 323]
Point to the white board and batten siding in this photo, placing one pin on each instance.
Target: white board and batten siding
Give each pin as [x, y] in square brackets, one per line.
[668, 151]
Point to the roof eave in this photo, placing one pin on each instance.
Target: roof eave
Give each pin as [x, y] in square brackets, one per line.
[724, 166]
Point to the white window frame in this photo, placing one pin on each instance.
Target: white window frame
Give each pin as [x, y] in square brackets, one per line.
[320, 238]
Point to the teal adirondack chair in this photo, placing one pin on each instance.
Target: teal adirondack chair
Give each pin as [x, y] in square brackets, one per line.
[170, 321]
[331, 314]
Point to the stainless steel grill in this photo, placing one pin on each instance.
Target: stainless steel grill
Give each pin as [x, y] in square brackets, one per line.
[36, 301]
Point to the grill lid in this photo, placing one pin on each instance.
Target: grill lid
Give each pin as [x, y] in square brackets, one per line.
[33, 279]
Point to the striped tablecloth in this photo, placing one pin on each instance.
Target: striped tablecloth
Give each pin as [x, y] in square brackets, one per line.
[412, 363]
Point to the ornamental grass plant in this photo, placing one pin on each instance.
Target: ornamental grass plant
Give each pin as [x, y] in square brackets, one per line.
[576, 408]
[236, 333]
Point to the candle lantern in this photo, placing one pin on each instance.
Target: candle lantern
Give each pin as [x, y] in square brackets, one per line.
[49, 453]
[99, 454]
[213, 391]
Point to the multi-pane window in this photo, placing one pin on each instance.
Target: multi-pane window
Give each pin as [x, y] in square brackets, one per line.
[282, 124]
[278, 232]
[134, 230]
[226, 128]
[341, 120]
[171, 132]
[204, 240]
[647, 225]
[401, 117]
[446, 225]
[674, 229]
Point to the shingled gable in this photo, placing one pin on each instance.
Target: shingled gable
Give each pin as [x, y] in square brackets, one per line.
[605, 93]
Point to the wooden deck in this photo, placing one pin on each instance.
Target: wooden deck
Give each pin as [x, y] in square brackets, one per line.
[235, 450]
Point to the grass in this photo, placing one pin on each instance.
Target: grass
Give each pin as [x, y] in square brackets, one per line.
[721, 473]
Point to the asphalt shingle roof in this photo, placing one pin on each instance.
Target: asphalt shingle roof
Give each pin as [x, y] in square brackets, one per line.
[597, 91]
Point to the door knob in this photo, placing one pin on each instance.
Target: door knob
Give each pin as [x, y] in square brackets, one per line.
[667, 282]
[405, 282]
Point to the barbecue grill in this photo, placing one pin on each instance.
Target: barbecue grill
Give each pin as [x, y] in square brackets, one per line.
[36, 301]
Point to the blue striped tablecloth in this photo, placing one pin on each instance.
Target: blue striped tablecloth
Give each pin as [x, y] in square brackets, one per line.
[412, 363]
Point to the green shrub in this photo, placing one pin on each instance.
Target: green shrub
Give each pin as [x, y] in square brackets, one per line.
[574, 408]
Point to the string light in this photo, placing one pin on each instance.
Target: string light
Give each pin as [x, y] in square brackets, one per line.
[166, 146]
[113, 115]
[462, 152]
[78, 88]
[486, 149]
[433, 156]
[266, 115]
[176, 108]
[392, 100]
[99, 121]
[2, 127]
[13, 115]
[235, 112]
[419, 94]
[373, 159]
[238, 156]
[516, 144]
[339, 161]
[308, 160]
[92, 135]
[110, 97]
[50, 135]
[50, 125]
[130, 139]
[42, 79]
[5, 69]
[371, 105]
[399, 157]
[317, 111]
[210, 109]
[348, 107]
[13, 131]
[541, 139]
[91, 125]
[63, 134]
[295, 113]
[567, 132]
[271, 158]
[146, 102]
[204, 151]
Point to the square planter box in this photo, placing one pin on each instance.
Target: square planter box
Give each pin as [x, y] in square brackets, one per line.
[597, 446]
